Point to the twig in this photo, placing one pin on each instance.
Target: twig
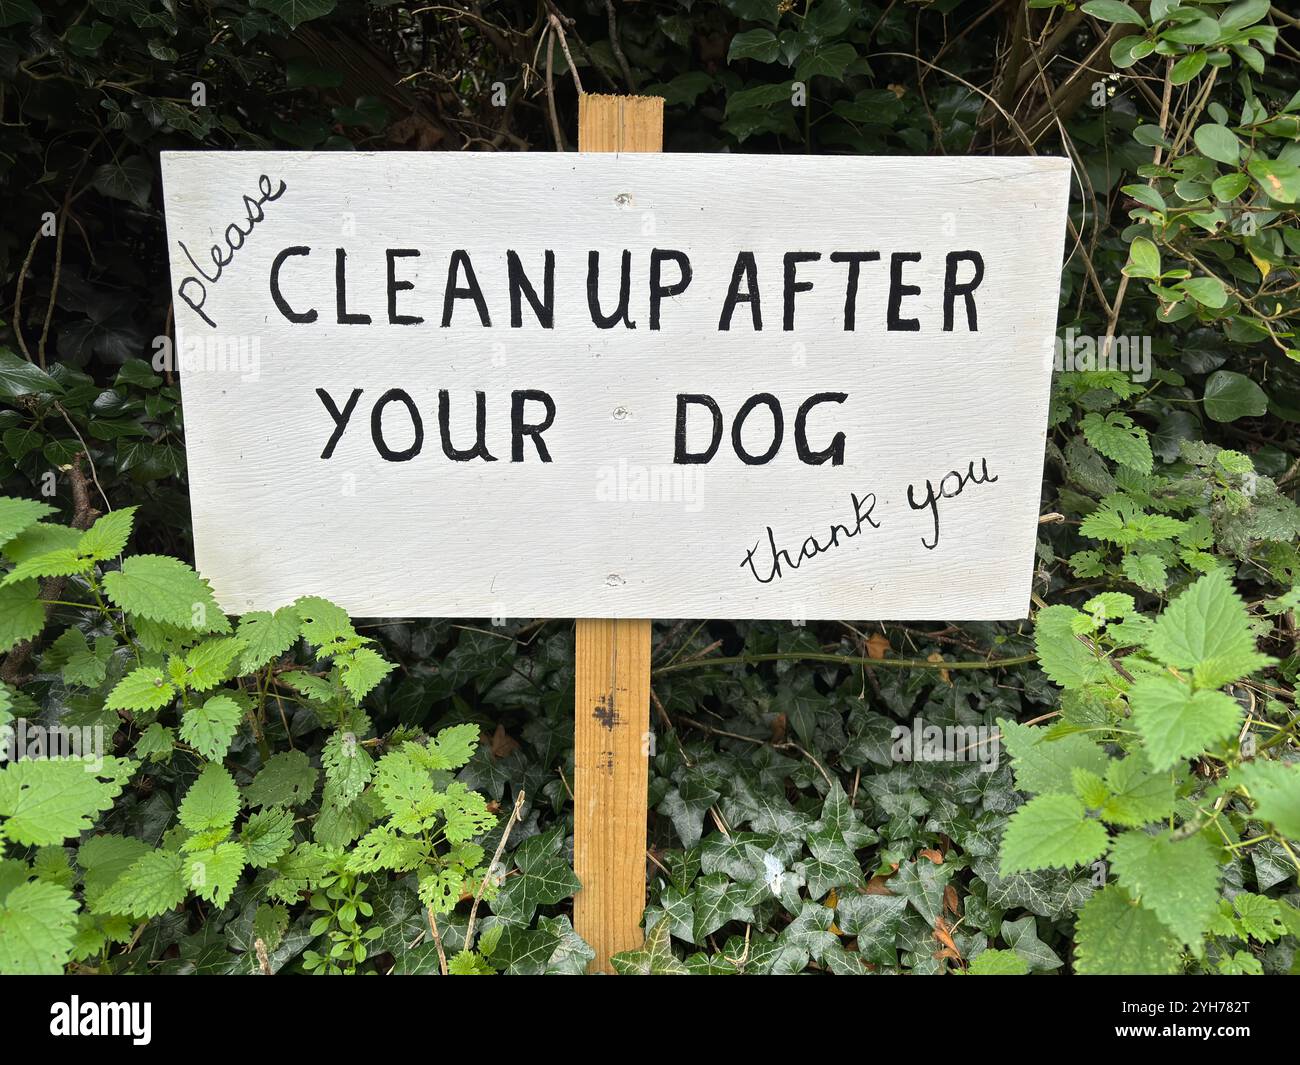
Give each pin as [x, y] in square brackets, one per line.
[618, 48]
[437, 941]
[501, 846]
[564, 44]
[556, 132]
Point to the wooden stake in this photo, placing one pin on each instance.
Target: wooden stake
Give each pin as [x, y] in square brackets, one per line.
[612, 684]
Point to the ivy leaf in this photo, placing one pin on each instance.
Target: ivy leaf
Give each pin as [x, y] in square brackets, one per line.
[107, 538]
[212, 801]
[1022, 937]
[545, 879]
[152, 885]
[876, 921]
[1230, 395]
[1117, 937]
[1208, 620]
[655, 958]
[18, 377]
[1176, 723]
[37, 924]
[45, 801]
[165, 589]
[296, 12]
[267, 636]
[760, 44]
[1178, 881]
[210, 728]
[1050, 832]
[129, 179]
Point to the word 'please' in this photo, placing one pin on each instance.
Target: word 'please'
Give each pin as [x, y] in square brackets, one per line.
[193, 290]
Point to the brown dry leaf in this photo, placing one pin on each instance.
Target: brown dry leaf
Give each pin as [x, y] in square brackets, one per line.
[944, 675]
[877, 645]
[951, 902]
[779, 727]
[944, 936]
[878, 885]
[502, 743]
[935, 856]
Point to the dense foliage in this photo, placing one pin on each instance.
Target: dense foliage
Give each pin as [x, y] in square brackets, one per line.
[296, 792]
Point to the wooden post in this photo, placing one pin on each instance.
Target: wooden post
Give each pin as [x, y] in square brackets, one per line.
[611, 772]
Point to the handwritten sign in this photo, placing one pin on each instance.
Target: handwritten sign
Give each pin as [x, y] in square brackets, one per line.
[616, 385]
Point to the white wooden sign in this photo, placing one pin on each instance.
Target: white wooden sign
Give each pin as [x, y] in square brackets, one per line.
[490, 385]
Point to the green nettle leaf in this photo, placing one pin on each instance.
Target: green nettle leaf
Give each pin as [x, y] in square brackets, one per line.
[1143, 259]
[22, 614]
[210, 728]
[1116, 437]
[1230, 395]
[213, 873]
[107, 538]
[1115, 936]
[995, 962]
[19, 514]
[146, 688]
[45, 801]
[1207, 621]
[60, 563]
[154, 884]
[267, 636]
[287, 779]
[1178, 881]
[348, 766]
[1176, 723]
[1051, 832]
[1219, 143]
[1043, 764]
[208, 664]
[1061, 654]
[212, 801]
[361, 670]
[1137, 796]
[1275, 789]
[38, 921]
[165, 589]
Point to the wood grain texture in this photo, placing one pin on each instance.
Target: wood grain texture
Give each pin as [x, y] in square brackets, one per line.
[611, 731]
[610, 783]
